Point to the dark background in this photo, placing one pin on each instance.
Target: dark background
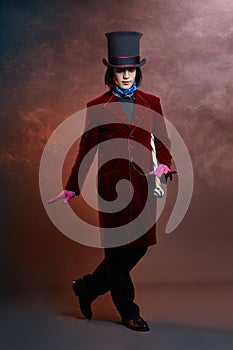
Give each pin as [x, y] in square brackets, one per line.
[50, 65]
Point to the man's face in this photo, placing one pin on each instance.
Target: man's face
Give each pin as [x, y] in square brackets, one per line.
[124, 77]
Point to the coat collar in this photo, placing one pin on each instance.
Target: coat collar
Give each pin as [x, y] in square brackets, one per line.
[141, 107]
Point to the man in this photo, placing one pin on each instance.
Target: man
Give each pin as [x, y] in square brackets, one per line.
[130, 114]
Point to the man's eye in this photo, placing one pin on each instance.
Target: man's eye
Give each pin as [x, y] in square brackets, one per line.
[118, 70]
[131, 70]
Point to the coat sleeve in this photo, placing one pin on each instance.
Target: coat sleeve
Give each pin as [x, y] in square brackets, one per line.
[88, 140]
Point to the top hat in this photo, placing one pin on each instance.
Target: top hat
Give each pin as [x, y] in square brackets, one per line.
[123, 50]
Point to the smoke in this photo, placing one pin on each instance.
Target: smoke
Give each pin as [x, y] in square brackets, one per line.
[51, 65]
[190, 51]
[25, 138]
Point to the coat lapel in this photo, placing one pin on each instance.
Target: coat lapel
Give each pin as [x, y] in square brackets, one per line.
[141, 107]
[114, 107]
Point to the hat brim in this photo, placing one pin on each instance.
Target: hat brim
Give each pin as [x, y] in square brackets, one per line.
[107, 64]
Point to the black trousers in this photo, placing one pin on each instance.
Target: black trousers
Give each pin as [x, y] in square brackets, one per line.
[113, 274]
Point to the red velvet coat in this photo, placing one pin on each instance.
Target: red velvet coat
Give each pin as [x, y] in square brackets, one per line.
[107, 121]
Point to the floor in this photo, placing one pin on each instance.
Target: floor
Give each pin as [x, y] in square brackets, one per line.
[180, 316]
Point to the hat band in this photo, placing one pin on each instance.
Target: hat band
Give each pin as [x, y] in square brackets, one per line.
[124, 60]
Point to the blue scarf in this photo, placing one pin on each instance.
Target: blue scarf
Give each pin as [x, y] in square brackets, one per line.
[128, 93]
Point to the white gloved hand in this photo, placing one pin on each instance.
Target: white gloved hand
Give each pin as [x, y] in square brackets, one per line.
[68, 195]
[162, 169]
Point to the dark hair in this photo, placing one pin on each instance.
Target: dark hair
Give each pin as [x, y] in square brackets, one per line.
[108, 79]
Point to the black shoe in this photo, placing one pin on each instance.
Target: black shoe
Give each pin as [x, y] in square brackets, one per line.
[136, 323]
[85, 301]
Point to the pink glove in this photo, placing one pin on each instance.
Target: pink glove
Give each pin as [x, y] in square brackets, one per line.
[68, 195]
[162, 169]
